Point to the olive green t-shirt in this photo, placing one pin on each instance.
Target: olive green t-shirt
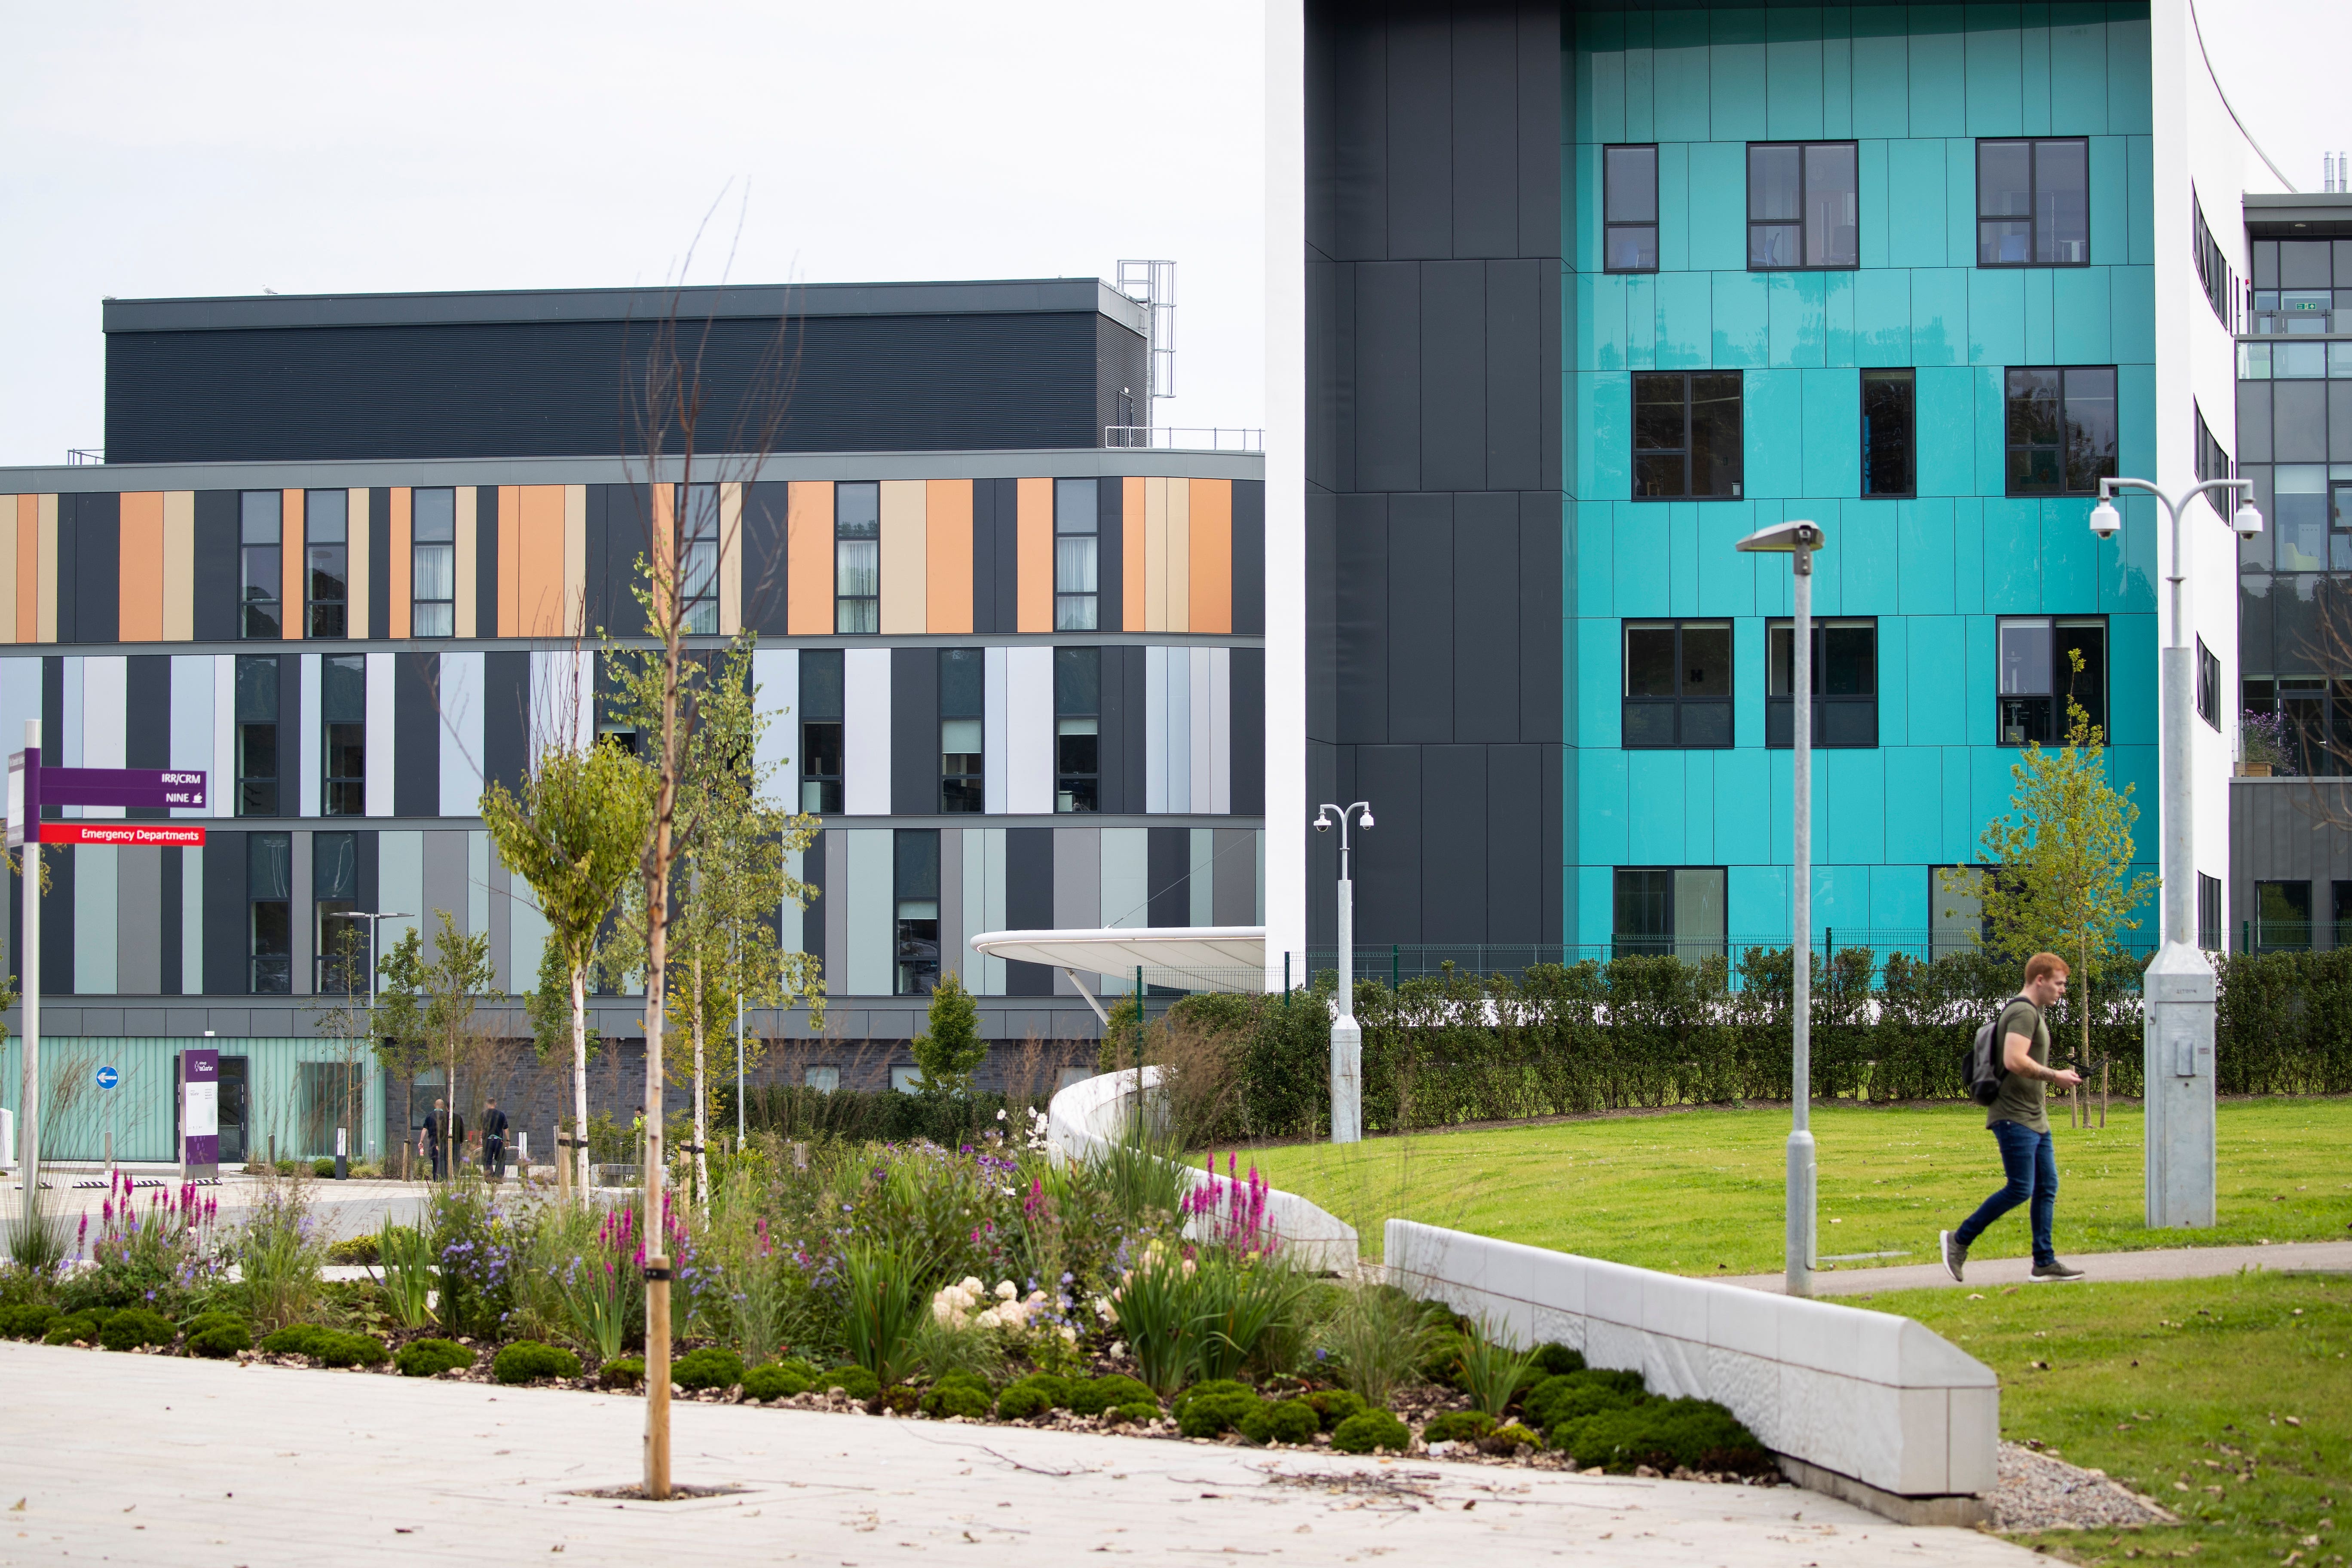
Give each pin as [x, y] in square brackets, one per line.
[2021, 1098]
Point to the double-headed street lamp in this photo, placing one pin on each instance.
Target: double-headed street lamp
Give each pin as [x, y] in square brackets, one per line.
[1799, 540]
[1346, 1038]
[2177, 1039]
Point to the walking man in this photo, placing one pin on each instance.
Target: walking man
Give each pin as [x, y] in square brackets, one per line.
[2018, 1123]
[428, 1141]
[494, 1140]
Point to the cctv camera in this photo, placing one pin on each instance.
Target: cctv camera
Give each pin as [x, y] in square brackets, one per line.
[1322, 825]
[1368, 819]
[2105, 520]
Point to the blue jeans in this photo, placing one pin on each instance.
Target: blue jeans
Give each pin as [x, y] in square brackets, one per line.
[2031, 1161]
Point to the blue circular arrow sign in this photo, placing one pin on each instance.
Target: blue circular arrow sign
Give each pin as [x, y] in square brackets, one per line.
[107, 1078]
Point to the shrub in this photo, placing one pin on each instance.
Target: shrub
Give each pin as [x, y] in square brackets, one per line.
[348, 1349]
[65, 1330]
[1574, 1396]
[1333, 1405]
[1094, 1395]
[1033, 1396]
[219, 1336]
[773, 1380]
[1280, 1421]
[958, 1396]
[1380, 1337]
[622, 1372]
[134, 1327]
[1508, 1440]
[324, 1167]
[1457, 1426]
[1209, 1409]
[27, 1321]
[1371, 1429]
[1134, 1413]
[1663, 1434]
[429, 1358]
[294, 1339]
[852, 1380]
[710, 1367]
[528, 1361]
[898, 1399]
[356, 1250]
[1489, 1370]
[1555, 1360]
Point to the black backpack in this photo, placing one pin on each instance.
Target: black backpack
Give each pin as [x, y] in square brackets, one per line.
[1983, 1069]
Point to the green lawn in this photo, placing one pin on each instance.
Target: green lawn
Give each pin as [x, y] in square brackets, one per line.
[1699, 1192]
[2226, 1400]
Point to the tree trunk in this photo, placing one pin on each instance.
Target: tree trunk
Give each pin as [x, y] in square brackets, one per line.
[702, 1118]
[577, 1156]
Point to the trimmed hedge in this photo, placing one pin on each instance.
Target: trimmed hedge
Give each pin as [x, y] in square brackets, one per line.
[528, 1361]
[135, 1327]
[710, 1367]
[1371, 1429]
[879, 1116]
[429, 1358]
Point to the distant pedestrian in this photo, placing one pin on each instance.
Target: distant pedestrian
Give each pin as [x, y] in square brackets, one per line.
[2017, 1120]
[494, 1140]
[429, 1147]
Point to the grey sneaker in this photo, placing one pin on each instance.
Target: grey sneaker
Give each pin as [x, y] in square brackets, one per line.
[2054, 1271]
[1955, 1257]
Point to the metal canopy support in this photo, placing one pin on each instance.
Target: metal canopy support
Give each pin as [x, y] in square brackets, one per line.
[1087, 995]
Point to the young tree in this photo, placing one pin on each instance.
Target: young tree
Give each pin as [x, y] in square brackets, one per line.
[950, 1050]
[2057, 873]
[426, 1014]
[574, 835]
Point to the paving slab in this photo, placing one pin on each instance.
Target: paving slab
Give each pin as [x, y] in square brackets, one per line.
[165, 1461]
[2154, 1263]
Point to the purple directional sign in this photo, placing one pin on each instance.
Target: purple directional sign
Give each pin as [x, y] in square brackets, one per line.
[153, 789]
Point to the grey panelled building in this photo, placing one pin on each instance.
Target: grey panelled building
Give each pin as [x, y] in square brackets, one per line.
[351, 556]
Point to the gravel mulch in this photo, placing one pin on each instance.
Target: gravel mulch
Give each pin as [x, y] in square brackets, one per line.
[2037, 1492]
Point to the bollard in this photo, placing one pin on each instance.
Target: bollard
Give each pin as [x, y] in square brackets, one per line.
[342, 1157]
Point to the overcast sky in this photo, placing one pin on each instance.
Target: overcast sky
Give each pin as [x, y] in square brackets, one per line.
[232, 147]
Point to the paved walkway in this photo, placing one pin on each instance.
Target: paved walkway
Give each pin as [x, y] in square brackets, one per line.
[2156, 1263]
[164, 1462]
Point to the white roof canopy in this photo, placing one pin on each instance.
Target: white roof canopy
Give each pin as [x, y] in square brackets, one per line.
[1193, 958]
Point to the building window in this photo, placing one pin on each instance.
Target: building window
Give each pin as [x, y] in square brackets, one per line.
[342, 717]
[697, 506]
[2208, 913]
[2340, 892]
[2213, 270]
[2292, 282]
[2038, 675]
[341, 951]
[1803, 206]
[2299, 515]
[916, 851]
[2033, 202]
[1888, 433]
[1077, 725]
[259, 515]
[1677, 683]
[824, 1079]
[270, 876]
[1628, 202]
[1076, 557]
[1670, 910]
[1955, 921]
[433, 563]
[2315, 717]
[857, 558]
[2209, 686]
[256, 736]
[963, 731]
[2061, 429]
[1846, 683]
[821, 747]
[2282, 917]
[2212, 457]
[326, 522]
[1686, 435]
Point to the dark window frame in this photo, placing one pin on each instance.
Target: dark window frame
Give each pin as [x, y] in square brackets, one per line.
[1909, 380]
[2051, 719]
[2032, 217]
[695, 509]
[342, 792]
[334, 898]
[432, 616]
[326, 563]
[1630, 943]
[854, 549]
[823, 736]
[1718, 711]
[261, 582]
[1804, 222]
[1838, 717]
[963, 789]
[1687, 452]
[2062, 448]
[270, 920]
[2223, 290]
[257, 794]
[1078, 609]
[915, 934]
[2285, 925]
[2211, 934]
[2213, 461]
[1608, 226]
[1077, 735]
[2208, 686]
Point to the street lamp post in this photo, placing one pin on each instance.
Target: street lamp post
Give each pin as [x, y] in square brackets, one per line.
[1799, 540]
[2177, 1039]
[1346, 1038]
[375, 928]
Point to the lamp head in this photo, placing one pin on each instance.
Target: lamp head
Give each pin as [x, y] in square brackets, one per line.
[2106, 518]
[1786, 537]
[1322, 822]
[1367, 818]
[2248, 519]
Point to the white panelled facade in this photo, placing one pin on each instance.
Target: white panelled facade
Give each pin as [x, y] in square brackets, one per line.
[1029, 731]
[381, 675]
[461, 733]
[865, 732]
[776, 675]
[308, 753]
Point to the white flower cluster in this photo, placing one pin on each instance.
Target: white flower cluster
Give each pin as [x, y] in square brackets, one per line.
[971, 1305]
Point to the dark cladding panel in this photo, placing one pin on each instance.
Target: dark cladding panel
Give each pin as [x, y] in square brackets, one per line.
[1515, 871]
[1168, 869]
[486, 523]
[1249, 558]
[1360, 571]
[1543, 654]
[1248, 740]
[983, 557]
[1485, 133]
[379, 606]
[57, 923]
[1454, 376]
[1419, 133]
[1111, 570]
[174, 914]
[1420, 618]
[1006, 617]
[1388, 864]
[213, 592]
[1028, 903]
[1514, 373]
[506, 719]
[1387, 385]
[1487, 617]
[416, 734]
[766, 504]
[1134, 735]
[915, 732]
[227, 917]
[98, 567]
[1455, 828]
